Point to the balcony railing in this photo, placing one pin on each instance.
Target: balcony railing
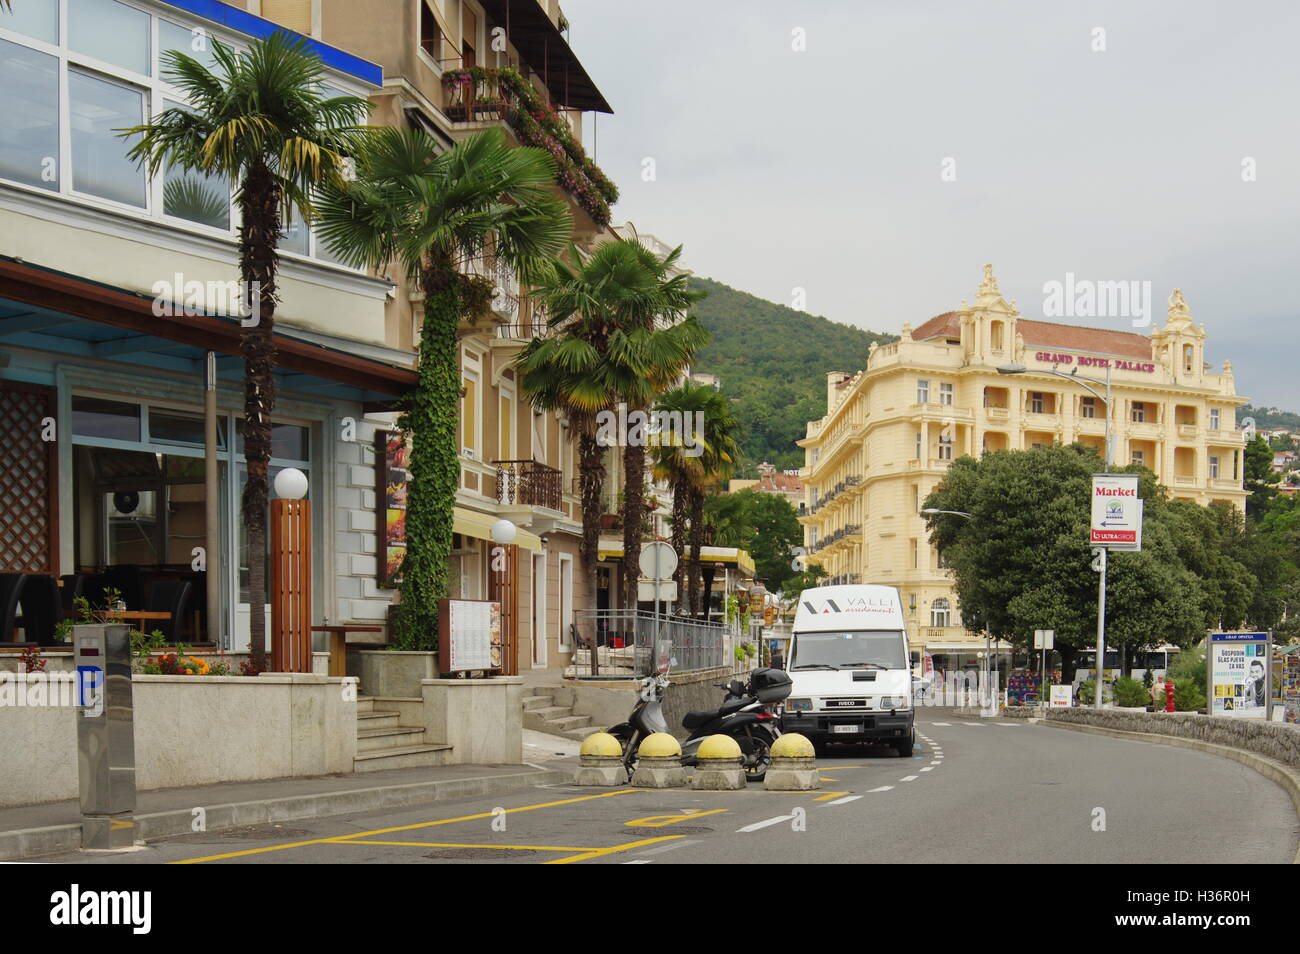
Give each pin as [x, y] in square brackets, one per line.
[528, 483]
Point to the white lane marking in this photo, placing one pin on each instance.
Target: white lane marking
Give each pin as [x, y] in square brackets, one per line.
[670, 847]
[979, 724]
[928, 768]
[883, 788]
[639, 861]
[845, 799]
[945, 724]
[763, 824]
[1004, 723]
[936, 762]
[908, 778]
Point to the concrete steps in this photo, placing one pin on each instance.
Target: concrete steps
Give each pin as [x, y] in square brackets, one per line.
[543, 715]
[384, 743]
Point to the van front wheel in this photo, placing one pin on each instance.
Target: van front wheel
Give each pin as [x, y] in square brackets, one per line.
[905, 748]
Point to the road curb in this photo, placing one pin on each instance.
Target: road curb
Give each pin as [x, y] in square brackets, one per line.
[25, 843]
[1269, 768]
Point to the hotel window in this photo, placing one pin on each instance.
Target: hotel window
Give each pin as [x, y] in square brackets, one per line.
[915, 553]
[1088, 407]
[1036, 402]
[110, 31]
[920, 445]
[29, 135]
[430, 33]
[469, 415]
[506, 426]
[1214, 418]
[469, 37]
[940, 614]
[945, 448]
[100, 108]
[922, 392]
[1189, 357]
[1140, 458]
[916, 499]
[945, 393]
[1138, 413]
[1214, 467]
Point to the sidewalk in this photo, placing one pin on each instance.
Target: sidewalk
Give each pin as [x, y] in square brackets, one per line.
[30, 831]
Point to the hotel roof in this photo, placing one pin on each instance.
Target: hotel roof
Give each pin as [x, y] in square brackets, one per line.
[1047, 334]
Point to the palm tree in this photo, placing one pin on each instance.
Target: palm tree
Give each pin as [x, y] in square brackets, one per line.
[695, 468]
[604, 350]
[439, 212]
[260, 121]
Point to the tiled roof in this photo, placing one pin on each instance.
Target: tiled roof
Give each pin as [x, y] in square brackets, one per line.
[1047, 334]
[779, 483]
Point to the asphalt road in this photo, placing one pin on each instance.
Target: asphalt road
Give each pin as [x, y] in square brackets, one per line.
[975, 791]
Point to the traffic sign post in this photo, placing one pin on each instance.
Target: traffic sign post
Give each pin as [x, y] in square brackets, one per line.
[1116, 525]
[1043, 640]
[658, 561]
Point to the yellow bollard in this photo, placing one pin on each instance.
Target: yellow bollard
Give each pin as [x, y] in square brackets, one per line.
[794, 765]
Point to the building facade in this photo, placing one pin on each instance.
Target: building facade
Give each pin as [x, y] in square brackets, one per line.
[102, 397]
[892, 429]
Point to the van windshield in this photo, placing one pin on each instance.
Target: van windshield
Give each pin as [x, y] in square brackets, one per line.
[858, 649]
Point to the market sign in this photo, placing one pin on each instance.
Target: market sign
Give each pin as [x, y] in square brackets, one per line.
[1239, 674]
[1116, 512]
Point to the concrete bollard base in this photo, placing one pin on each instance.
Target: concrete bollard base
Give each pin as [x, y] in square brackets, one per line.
[718, 775]
[600, 770]
[792, 775]
[657, 772]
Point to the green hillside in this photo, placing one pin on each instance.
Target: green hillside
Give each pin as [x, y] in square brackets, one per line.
[773, 362]
[1268, 417]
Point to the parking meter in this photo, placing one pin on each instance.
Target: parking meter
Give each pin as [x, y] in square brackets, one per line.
[105, 735]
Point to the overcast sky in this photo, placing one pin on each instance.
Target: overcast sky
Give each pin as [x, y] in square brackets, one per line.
[822, 169]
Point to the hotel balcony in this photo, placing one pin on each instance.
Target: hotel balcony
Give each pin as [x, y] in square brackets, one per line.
[997, 413]
[1188, 431]
[526, 483]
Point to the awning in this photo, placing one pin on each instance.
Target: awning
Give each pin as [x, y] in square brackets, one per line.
[544, 48]
[472, 523]
[611, 549]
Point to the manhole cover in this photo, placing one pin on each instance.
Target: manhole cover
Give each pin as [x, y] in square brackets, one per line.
[264, 832]
[669, 830]
[478, 854]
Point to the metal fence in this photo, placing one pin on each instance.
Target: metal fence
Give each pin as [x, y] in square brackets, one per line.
[625, 643]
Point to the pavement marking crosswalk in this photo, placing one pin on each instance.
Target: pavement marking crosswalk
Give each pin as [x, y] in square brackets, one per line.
[883, 788]
[980, 724]
[764, 824]
[844, 800]
[936, 761]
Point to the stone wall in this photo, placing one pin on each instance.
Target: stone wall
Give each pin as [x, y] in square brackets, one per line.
[1271, 739]
[190, 730]
[611, 703]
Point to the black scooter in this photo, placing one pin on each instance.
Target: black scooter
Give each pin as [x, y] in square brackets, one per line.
[745, 715]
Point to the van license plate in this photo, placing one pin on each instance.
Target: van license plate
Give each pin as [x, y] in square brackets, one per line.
[849, 729]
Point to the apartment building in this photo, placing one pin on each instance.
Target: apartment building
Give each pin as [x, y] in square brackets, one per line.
[892, 429]
[86, 238]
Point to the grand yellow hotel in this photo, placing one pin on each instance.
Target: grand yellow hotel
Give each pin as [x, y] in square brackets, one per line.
[891, 431]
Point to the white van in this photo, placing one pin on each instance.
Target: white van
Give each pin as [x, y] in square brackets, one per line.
[850, 665]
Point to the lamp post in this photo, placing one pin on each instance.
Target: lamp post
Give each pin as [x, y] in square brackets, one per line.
[291, 573]
[502, 565]
[1015, 368]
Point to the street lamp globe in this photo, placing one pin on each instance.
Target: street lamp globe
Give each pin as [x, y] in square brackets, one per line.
[504, 532]
[1012, 367]
[291, 484]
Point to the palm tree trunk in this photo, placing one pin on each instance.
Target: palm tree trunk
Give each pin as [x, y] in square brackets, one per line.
[697, 541]
[259, 232]
[708, 572]
[680, 516]
[633, 518]
[430, 419]
[591, 480]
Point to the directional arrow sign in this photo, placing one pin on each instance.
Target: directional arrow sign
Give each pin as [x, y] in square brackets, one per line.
[1116, 511]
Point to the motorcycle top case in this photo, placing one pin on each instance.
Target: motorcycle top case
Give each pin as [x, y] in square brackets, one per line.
[770, 685]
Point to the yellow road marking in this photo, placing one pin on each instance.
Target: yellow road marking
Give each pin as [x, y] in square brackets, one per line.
[827, 796]
[827, 778]
[649, 821]
[611, 851]
[448, 844]
[388, 831]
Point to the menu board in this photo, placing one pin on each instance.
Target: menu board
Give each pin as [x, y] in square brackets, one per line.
[470, 635]
[1238, 675]
[392, 474]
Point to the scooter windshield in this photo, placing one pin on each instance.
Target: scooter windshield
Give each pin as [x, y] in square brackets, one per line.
[855, 649]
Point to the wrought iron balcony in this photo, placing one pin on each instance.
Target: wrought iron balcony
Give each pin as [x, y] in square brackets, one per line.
[528, 483]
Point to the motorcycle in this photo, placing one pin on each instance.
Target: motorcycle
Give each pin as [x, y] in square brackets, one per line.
[747, 714]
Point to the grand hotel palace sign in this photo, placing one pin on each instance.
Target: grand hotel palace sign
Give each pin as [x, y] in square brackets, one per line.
[1092, 361]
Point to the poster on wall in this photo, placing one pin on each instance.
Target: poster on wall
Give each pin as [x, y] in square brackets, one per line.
[1238, 675]
[471, 635]
[391, 479]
